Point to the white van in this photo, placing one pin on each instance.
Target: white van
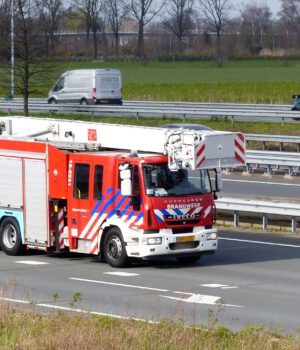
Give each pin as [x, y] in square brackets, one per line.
[88, 86]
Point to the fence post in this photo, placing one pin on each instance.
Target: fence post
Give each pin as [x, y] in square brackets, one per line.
[265, 222]
[294, 224]
[236, 218]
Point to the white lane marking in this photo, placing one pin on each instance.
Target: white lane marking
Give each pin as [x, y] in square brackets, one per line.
[31, 262]
[56, 307]
[200, 299]
[15, 300]
[214, 285]
[122, 274]
[230, 287]
[197, 299]
[263, 182]
[119, 284]
[259, 242]
[92, 312]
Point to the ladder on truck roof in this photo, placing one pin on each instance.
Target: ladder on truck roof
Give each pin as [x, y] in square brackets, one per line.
[195, 149]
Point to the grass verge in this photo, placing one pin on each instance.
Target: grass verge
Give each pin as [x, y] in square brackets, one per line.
[26, 329]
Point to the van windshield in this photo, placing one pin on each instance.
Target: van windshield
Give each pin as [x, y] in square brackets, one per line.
[160, 181]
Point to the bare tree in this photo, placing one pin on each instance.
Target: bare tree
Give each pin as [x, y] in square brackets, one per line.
[28, 49]
[144, 11]
[256, 21]
[214, 14]
[50, 13]
[90, 10]
[180, 18]
[5, 11]
[116, 10]
[289, 20]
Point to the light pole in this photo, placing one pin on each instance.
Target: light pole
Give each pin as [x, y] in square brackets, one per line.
[12, 47]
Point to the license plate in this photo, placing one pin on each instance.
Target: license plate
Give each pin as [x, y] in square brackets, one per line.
[104, 101]
[186, 239]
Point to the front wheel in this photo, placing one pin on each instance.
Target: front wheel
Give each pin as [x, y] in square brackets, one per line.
[10, 237]
[114, 248]
[188, 259]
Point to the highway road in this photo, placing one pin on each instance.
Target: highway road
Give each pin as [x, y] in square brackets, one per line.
[253, 278]
[263, 187]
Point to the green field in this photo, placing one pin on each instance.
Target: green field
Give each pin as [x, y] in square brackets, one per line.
[248, 81]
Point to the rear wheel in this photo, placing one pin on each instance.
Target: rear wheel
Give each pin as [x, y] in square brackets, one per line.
[114, 248]
[188, 259]
[52, 101]
[10, 237]
[84, 102]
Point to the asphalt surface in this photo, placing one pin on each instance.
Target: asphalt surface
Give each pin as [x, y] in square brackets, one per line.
[253, 278]
[262, 187]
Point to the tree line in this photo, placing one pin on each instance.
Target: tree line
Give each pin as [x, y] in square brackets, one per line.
[148, 29]
[35, 30]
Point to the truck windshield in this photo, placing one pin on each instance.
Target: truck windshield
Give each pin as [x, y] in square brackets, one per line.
[160, 181]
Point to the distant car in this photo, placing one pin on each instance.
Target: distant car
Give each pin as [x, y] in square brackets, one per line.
[88, 86]
[186, 126]
[296, 107]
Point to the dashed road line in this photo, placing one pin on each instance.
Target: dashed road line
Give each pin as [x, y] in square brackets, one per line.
[122, 274]
[31, 262]
[119, 284]
[259, 242]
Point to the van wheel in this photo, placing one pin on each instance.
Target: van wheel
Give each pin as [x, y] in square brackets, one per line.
[52, 101]
[10, 237]
[188, 259]
[84, 102]
[114, 248]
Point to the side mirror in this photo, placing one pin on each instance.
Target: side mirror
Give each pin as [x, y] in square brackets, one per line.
[218, 179]
[126, 182]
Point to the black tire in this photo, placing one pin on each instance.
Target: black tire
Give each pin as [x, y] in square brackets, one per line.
[188, 259]
[10, 237]
[84, 102]
[52, 101]
[114, 250]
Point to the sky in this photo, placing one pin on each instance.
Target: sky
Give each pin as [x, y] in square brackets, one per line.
[273, 4]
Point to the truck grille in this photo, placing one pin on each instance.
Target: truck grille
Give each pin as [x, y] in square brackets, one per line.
[184, 245]
[182, 222]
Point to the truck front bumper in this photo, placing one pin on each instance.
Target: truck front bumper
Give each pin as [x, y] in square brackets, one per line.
[167, 243]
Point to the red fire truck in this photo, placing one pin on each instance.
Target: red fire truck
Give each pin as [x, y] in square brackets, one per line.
[116, 191]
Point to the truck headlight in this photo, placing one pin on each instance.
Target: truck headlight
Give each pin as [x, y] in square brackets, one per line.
[152, 240]
[211, 236]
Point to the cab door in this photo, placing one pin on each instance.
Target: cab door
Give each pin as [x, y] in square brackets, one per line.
[85, 196]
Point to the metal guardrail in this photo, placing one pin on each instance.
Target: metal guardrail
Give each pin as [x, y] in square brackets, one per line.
[160, 110]
[281, 140]
[265, 208]
[271, 161]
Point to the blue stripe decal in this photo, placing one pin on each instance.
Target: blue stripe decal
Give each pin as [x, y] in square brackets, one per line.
[164, 212]
[179, 212]
[109, 203]
[158, 218]
[123, 199]
[111, 213]
[130, 215]
[96, 207]
[125, 210]
[141, 214]
[109, 190]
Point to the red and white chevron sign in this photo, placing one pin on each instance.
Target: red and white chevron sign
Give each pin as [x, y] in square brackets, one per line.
[200, 154]
[240, 151]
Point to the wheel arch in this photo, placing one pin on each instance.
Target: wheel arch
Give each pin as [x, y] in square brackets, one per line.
[19, 220]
